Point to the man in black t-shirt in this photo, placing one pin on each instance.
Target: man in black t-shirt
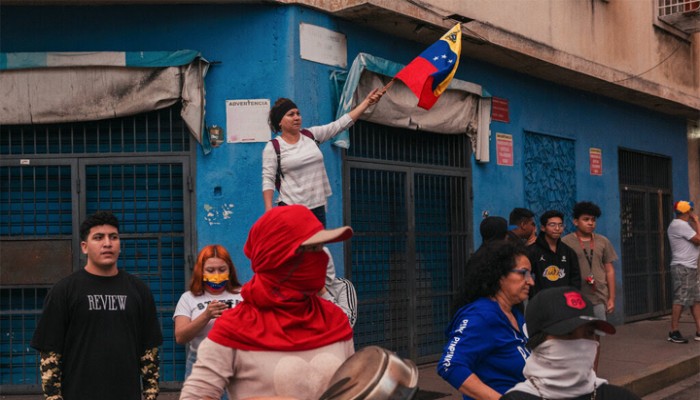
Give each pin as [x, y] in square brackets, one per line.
[99, 333]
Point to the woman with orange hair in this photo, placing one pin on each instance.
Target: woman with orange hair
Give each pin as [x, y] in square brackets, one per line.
[214, 288]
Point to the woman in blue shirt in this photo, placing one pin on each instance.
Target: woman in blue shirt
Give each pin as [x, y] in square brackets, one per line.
[485, 352]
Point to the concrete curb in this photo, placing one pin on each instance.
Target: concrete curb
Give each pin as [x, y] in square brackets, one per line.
[658, 376]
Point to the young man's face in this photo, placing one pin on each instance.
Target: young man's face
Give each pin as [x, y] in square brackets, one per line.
[585, 223]
[102, 246]
[553, 228]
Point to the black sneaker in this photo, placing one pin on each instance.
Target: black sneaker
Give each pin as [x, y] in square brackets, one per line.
[697, 336]
[676, 337]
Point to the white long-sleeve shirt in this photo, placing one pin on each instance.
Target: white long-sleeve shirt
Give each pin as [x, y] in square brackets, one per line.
[305, 180]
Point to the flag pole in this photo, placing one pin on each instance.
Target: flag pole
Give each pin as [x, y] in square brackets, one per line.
[387, 86]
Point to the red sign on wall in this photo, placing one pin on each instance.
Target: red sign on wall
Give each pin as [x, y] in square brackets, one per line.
[499, 109]
[504, 149]
[595, 161]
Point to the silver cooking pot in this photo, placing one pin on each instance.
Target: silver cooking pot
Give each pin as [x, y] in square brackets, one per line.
[373, 373]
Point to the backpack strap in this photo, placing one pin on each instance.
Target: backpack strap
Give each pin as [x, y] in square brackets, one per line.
[278, 175]
[310, 135]
[276, 145]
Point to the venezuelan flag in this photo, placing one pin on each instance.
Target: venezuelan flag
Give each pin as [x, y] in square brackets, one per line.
[429, 74]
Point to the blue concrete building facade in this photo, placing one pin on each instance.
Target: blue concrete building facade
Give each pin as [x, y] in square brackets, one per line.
[254, 54]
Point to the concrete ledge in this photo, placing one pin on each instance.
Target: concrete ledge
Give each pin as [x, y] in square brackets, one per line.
[646, 382]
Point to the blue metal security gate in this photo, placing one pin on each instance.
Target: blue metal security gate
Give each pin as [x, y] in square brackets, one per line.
[51, 177]
[408, 203]
[646, 211]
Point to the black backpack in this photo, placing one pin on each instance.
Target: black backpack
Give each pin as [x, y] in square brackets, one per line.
[276, 145]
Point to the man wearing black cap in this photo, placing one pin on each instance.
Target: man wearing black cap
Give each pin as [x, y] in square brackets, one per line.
[562, 332]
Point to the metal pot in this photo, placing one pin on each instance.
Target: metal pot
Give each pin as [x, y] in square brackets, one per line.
[373, 373]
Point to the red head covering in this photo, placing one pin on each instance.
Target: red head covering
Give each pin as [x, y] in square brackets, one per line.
[281, 310]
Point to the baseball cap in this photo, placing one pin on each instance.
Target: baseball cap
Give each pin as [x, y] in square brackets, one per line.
[329, 236]
[559, 311]
[683, 206]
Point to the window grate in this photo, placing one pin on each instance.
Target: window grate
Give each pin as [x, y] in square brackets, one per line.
[641, 169]
[35, 201]
[402, 145]
[670, 7]
[161, 131]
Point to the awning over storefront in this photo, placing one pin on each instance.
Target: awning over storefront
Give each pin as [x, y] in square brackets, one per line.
[464, 108]
[45, 88]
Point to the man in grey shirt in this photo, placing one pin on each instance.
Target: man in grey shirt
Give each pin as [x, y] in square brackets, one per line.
[685, 241]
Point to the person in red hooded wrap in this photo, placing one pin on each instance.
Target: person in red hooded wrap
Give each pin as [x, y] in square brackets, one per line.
[283, 339]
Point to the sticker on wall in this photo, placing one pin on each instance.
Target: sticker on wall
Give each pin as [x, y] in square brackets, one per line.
[246, 121]
[499, 110]
[595, 157]
[504, 149]
[323, 45]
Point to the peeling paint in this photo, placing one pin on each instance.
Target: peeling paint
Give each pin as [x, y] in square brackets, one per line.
[214, 216]
[227, 210]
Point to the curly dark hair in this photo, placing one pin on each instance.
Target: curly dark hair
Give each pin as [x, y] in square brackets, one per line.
[97, 219]
[586, 207]
[487, 266]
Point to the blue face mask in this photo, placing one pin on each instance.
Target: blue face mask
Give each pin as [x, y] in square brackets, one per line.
[216, 286]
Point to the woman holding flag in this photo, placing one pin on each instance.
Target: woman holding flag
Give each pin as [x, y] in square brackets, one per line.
[293, 162]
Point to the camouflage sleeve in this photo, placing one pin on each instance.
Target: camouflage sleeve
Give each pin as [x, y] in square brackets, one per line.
[150, 362]
[50, 369]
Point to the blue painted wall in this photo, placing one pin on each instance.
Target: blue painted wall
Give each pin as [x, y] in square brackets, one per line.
[589, 120]
[255, 54]
[257, 47]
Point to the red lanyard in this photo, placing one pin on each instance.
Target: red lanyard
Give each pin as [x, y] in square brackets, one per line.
[589, 257]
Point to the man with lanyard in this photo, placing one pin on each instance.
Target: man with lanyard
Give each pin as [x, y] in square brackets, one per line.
[596, 256]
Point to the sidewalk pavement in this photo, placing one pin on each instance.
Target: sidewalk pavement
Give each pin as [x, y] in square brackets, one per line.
[638, 357]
